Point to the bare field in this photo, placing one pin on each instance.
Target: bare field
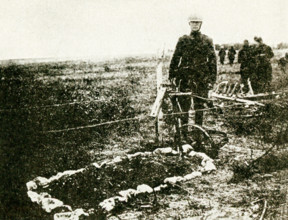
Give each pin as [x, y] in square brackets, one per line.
[49, 113]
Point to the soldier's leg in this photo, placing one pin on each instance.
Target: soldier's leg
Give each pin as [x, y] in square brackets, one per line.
[175, 118]
[268, 78]
[244, 79]
[185, 103]
[199, 116]
[222, 60]
[261, 78]
[199, 105]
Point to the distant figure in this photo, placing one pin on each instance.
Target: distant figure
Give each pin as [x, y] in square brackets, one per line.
[262, 74]
[246, 67]
[231, 55]
[283, 63]
[222, 54]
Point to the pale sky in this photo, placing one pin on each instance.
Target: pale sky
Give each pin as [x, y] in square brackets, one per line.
[74, 28]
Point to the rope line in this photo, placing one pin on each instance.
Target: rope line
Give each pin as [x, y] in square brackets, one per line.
[92, 126]
[205, 109]
[64, 104]
[133, 119]
[123, 120]
[54, 105]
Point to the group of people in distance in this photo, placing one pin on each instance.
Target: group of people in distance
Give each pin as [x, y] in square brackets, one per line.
[255, 64]
[231, 55]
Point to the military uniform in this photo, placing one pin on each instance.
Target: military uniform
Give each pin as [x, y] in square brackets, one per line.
[283, 63]
[193, 65]
[262, 75]
[231, 55]
[222, 54]
[246, 67]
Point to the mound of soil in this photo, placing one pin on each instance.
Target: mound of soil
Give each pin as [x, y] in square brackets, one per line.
[90, 187]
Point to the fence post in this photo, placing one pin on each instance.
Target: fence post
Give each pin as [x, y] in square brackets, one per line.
[159, 117]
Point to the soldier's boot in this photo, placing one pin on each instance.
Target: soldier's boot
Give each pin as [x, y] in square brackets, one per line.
[184, 129]
[197, 134]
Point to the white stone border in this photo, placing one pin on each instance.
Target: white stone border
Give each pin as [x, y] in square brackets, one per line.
[49, 204]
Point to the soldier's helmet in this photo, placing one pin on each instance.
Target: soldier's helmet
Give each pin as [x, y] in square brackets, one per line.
[258, 39]
[195, 17]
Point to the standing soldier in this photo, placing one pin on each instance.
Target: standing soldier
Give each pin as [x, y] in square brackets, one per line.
[193, 68]
[222, 54]
[263, 70]
[231, 55]
[246, 67]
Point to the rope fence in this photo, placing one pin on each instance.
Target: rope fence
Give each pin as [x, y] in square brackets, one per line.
[133, 119]
[120, 120]
[205, 109]
[64, 104]
[54, 105]
[93, 126]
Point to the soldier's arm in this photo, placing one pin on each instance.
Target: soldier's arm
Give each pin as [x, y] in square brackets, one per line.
[240, 56]
[175, 61]
[270, 53]
[212, 62]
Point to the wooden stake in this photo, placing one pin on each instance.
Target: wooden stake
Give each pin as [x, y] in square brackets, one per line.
[249, 102]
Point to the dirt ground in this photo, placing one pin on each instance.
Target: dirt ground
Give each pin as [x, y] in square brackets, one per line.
[212, 196]
[126, 88]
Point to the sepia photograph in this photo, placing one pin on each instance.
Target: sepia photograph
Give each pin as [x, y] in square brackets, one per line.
[143, 109]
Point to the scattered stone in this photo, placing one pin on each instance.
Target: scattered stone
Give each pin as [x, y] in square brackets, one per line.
[64, 216]
[166, 150]
[96, 165]
[35, 197]
[121, 198]
[64, 174]
[31, 185]
[135, 155]
[127, 193]
[159, 188]
[144, 189]
[108, 204]
[48, 204]
[70, 215]
[174, 152]
[187, 148]
[192, 175]
[201, 156]
[204, 157]
[44, 195]
[209, 166]
[117, 159]
[173, 180]
[41, 181]
[147, 153]
[63, 208]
